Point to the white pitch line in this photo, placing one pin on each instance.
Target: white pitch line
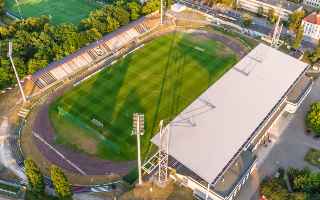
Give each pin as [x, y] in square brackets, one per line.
[57, 152]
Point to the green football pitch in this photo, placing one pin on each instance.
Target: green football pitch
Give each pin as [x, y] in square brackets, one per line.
[59, 11]
[159, 80]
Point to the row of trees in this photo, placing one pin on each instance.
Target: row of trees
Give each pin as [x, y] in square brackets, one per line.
[304, 183]
[36, 185]
[37, 42]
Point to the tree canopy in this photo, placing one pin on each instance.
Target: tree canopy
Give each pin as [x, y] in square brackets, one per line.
[2, 8]
[304, 183]
[272, 16]
[313, 118]
[295, 20]
[60, 183]
[150, 6]
[246, 20]
[35, 177]
[296, 43]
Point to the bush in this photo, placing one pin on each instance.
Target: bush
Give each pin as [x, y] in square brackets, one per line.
[274, 189]
[313, 118]
[131, 177]
[313, 157]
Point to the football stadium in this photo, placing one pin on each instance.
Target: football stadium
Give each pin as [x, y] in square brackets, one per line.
[59, 11]
[153, 80]
[87, 99]
[195, 79]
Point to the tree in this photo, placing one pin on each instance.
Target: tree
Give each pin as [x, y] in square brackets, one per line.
[60, 183]
[2, 7]
[134, 9]
[274, 189]
[247, 20]
[121, 15]
[314, 56]
[35, 177]
[168, 3]
[295, 20]
[313, 117]
[260, 12]
[296, 43]
[90, 35]
[36, 64]
[299, 196]
[150, 7]
[271, 16]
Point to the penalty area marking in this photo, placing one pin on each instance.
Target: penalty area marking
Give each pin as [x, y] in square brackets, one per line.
[57, 152]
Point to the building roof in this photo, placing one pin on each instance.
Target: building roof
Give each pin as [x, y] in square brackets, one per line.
[299, 90]
[287, 5]
[210, 132]
[313, 18]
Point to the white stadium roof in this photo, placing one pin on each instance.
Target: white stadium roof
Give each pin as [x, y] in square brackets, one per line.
[209, 132]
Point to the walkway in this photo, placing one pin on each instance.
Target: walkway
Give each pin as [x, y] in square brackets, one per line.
[288, 150]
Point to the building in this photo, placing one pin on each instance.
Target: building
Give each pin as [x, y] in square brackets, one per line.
[266, 5]
[214, 142]
[311, 26]
[312, 3]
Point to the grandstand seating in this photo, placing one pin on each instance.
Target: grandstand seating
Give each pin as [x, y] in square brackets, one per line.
[96, 51]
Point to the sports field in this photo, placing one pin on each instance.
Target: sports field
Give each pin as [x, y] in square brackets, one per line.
[159, 80]
[59, 11]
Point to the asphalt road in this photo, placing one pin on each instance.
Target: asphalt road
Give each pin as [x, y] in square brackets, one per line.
[259, 24]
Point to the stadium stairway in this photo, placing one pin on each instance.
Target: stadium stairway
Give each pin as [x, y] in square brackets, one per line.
[23, 113]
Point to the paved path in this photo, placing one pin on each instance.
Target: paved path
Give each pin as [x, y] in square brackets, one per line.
[58, 153]
[289, 148]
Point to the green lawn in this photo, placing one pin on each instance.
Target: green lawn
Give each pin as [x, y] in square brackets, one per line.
[159, 80]
[59, 11]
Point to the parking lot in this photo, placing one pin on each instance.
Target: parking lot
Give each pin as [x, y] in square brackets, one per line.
[288, 147]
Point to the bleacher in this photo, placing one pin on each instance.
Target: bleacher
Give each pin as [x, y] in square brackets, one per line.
[97, 51]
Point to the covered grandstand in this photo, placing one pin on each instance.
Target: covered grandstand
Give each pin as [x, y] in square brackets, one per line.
[109, 46]
[213, 142]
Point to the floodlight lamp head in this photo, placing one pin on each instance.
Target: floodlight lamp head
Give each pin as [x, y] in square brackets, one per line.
[138, 124]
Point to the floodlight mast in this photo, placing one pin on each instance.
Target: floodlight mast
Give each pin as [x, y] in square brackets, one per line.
[163, 153]
[15, 72]
[277, 29]
[138, 129]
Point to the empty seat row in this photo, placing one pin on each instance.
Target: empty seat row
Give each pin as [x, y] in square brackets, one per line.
[46, 79]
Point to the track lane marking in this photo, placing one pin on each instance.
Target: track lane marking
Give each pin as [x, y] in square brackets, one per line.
[57, 152]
